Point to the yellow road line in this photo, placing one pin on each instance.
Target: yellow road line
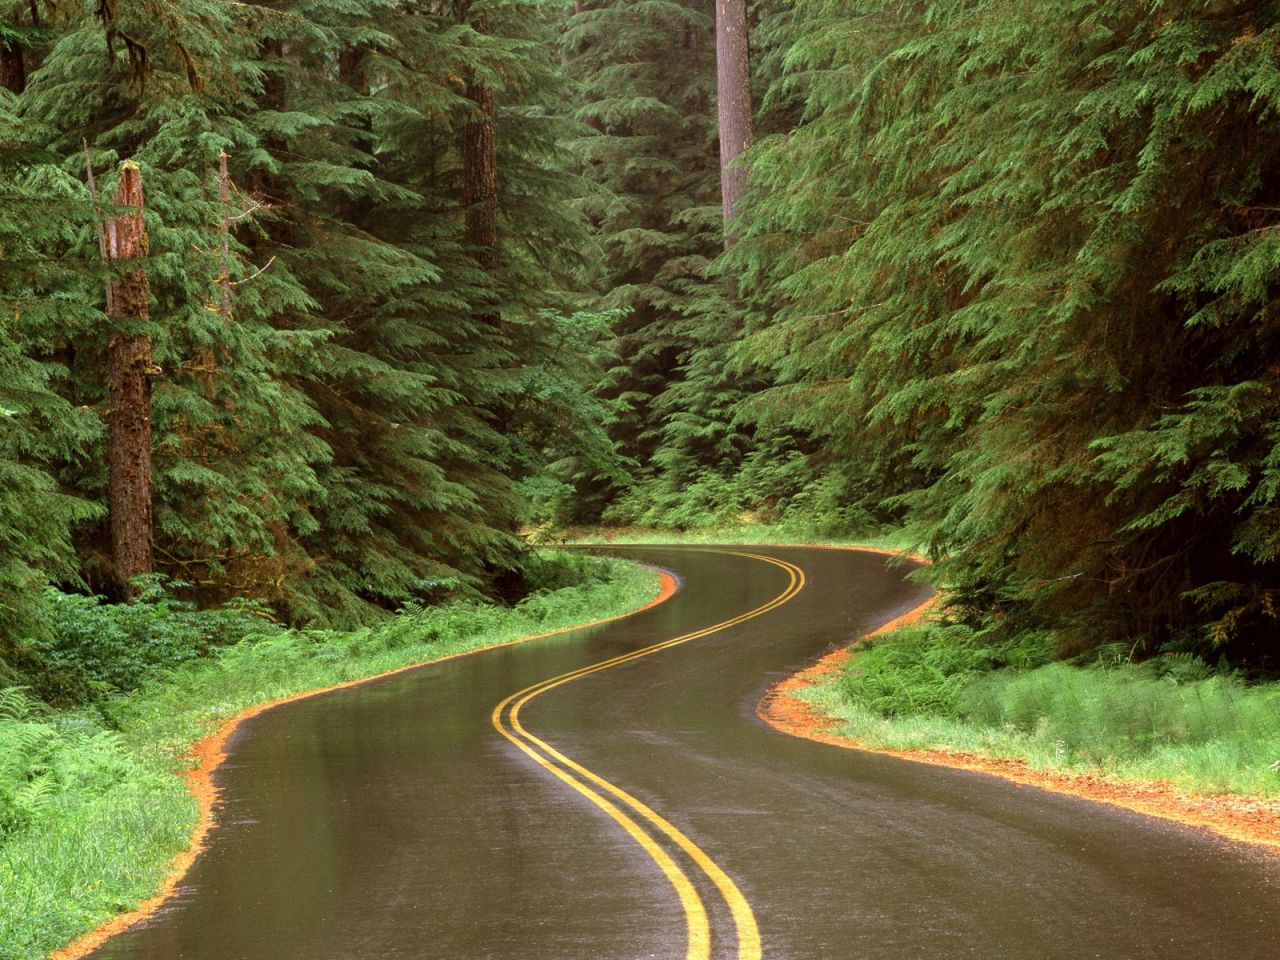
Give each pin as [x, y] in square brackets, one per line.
[699, 929]
[699, 939]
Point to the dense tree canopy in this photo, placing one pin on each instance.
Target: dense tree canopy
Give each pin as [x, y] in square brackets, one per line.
[1015, 264]
[336, 424]
[1002, 272]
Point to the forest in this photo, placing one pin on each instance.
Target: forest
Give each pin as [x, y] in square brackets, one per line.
[320, 321]
[410, 280]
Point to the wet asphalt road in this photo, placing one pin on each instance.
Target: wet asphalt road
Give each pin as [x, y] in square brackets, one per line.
[392, 820]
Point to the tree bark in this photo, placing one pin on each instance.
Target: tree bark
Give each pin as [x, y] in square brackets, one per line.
[733, 90]
[13, 68]
[129, 397]
[224, 202]
[480, 174]
[480, 169]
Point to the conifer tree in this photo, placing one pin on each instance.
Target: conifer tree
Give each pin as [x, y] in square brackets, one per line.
[479, 154]
[38, 429]
[646, 81]
[129, 372]
[350, 392]
[168, 88]
[36, 517]
[426, 408]
[733, 102]
[1010, 260]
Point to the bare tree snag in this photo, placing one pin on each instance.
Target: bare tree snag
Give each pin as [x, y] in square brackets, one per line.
[480, 167]
[129, 397]
[733, 91]
[204, 362]
[224, 199]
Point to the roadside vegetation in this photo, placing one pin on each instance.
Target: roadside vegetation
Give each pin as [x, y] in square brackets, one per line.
[1174, 718]
[744, 530]
[93, 807]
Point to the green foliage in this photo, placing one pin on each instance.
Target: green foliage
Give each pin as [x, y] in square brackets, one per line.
[91, 649]
[1012, 271]
[86, 824]
[233, 462]
[926, 670]
[705, 500]
[24, 787]
[645, 88]
[38, 428]
[339, 428]
[45, 756]
[1128, 710]
[776, 483]
[1171, 718]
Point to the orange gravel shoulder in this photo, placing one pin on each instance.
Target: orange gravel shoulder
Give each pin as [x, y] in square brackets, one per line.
[1247, 819]
[209, 753]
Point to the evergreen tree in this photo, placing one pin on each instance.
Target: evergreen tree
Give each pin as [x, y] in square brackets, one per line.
[38, 429]
[423, 387]
[168, 87]
[645, 77]
[1014, 265]
[733, 103]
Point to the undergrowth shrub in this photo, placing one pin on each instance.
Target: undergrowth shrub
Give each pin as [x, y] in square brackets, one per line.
[925, 669]
[779, 489]
[1131, 709]
[1173, 717]
[708, 500]
[546, 572]
[830, 504]
[47, 757]
[91, 648]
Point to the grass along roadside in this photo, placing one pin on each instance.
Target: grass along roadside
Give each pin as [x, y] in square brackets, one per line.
[1170, 720]
[93, 804]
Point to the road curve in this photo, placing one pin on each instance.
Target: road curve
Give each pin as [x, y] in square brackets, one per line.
[611, 794]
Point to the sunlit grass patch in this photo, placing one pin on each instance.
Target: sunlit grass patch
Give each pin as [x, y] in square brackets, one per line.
[1170, 719]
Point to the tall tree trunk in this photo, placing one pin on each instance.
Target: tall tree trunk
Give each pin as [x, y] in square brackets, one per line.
[129, 397]
[480, 168]
[733, 89]
[480, 192]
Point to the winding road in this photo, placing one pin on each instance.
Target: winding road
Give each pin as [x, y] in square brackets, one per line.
[609, 794]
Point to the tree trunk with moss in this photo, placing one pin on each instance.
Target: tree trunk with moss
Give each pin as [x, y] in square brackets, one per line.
[480, 168]
[129, 398]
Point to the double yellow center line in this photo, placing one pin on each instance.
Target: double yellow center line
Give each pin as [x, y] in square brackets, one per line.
[633, 814]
